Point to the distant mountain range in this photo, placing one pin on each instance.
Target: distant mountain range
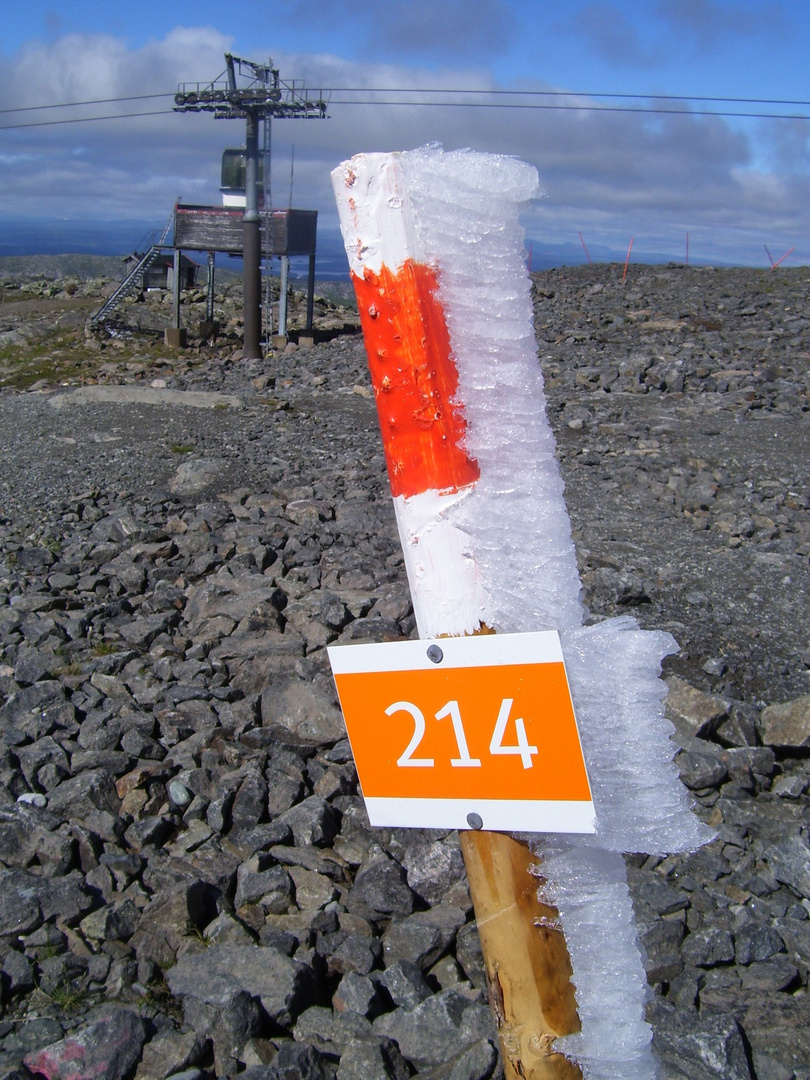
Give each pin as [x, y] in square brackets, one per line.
[20, 236]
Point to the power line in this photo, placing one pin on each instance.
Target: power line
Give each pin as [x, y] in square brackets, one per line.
[84, 119]
[568, 106]
[562, 93]
[455, 91]
[78, 104]
[579, 108]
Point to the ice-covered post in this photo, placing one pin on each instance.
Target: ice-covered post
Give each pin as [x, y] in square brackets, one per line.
[430, 469]
[436, 254]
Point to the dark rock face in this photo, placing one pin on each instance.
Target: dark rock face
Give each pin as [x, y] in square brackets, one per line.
[446, 1018]
[107, 1048]
[181, 831]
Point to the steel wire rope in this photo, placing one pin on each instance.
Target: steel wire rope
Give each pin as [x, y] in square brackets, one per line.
[561, 93]
[454, 105]
[84, 119]
[583, 108]
[79, 104]
[450, 90]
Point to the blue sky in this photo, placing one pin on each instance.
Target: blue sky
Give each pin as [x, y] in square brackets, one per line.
[734, 184]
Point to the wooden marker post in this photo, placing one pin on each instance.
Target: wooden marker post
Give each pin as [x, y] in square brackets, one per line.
[423, 427]
[527, 963]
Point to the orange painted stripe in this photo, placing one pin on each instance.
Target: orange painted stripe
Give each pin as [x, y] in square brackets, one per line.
[415, 380]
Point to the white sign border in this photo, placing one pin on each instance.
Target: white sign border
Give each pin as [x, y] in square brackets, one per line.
[485, 650]
[497, 815]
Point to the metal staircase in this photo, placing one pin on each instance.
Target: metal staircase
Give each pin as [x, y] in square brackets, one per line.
[133, 280]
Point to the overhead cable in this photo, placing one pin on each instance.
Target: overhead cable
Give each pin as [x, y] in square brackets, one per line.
[455, 91]
[78, 104]
[85, 119]
[568, 106]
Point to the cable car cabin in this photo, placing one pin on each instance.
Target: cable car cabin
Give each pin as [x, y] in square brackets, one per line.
[232, 177]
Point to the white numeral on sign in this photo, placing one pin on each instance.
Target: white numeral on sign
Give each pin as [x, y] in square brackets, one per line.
[464, 759]
[407, 757]
[522, 748]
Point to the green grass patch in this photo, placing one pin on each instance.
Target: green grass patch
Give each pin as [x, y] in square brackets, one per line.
[105, 648]
[52, 359]
[72, 669]
[66, 998]
[159, 1000]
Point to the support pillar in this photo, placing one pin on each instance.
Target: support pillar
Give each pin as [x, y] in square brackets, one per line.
[525, 955]
[176, 289]
[282, 295]
[251, 245]
[209, 303]
[175, 336]
[307, 335]
[310, 290]
[280, 339]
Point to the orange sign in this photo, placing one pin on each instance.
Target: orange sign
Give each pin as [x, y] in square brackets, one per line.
[460, 730]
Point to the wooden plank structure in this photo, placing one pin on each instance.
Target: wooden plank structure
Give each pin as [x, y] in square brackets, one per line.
[423, 427]
[282, 233]
[219, 228]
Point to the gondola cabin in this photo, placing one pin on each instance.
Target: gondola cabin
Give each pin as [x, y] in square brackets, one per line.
[232, 177]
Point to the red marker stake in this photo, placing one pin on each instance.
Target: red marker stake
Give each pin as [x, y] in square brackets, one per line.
[423, 426]
[778, 261]
[627, 260]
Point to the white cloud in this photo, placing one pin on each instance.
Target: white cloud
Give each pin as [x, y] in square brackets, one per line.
[613, 174]
[84, 67]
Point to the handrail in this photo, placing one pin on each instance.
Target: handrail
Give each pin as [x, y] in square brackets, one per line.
[127, 285]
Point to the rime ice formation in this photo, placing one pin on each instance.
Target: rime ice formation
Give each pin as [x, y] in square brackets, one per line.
[458, 213]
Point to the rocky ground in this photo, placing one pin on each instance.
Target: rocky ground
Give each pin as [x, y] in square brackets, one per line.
[181, 837]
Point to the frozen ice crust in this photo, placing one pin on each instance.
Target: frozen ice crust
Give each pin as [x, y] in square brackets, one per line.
[497, 551]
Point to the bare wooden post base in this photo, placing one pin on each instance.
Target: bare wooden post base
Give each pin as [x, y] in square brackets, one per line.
[527, 962]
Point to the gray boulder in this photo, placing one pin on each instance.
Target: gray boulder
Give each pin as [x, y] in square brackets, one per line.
[106, 1049]
[446, 1019]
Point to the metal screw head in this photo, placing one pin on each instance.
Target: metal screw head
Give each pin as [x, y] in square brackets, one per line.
[435, 654]
[475, 821]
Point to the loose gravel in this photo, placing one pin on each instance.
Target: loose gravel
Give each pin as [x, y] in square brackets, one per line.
[184, 853]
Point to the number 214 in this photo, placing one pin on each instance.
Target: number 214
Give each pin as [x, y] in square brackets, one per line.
[464, 761]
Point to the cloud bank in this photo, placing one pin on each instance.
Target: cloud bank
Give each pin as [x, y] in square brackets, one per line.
[611, 175]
